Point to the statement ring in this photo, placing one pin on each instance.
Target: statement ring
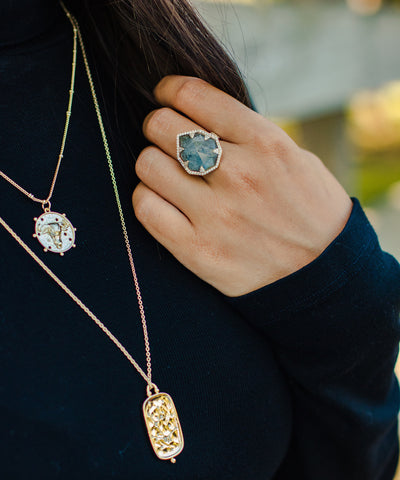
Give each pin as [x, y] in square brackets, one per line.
[199, 152]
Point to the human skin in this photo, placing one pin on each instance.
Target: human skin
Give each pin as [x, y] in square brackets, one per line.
[269, 209]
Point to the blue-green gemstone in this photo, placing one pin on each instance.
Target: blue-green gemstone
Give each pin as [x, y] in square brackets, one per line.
[198, 151]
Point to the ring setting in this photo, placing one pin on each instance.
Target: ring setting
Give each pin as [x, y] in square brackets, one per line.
[199, 152]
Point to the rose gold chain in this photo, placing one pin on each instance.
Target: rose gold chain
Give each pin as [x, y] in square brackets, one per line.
[116, 193]
[46, 201]
[148, 377]
[74, 298]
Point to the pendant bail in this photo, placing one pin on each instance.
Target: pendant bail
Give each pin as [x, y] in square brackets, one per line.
[150, 387]
[48, 208]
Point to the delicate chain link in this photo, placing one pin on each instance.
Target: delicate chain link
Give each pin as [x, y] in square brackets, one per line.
[64, 138]
[116, 193]
[147, 377]
[75, 299]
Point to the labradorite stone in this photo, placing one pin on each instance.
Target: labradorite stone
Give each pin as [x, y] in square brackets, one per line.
[198, 151]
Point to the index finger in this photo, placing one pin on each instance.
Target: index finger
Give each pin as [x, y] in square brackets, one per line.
[209, 107]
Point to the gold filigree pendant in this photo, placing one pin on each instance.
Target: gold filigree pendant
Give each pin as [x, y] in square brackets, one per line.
[55, 232]
[163, 426]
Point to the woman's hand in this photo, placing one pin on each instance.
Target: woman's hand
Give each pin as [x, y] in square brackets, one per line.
[269, 208]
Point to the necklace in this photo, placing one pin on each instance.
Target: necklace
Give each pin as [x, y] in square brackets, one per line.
[160, 415]
[53, 230]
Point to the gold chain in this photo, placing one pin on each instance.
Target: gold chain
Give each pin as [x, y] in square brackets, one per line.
[46, 201]
[148, 377]
[116, 193]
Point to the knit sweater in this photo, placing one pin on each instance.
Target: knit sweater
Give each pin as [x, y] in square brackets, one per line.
[292, 381]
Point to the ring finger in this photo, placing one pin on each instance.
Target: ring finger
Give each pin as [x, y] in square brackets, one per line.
[161, 127]
[162, 174]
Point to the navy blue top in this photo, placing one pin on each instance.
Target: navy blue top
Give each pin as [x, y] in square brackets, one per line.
[294, 380]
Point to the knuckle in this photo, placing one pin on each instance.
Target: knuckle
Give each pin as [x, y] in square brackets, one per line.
[234, 219]
[248, 182]
[243, 179]
[208, 254]
[140, 203]
[209, 251]
[144, 161]
[141, 211]
[260, 133]
[192, 89]
[157, 120]
[280, 147]
[228, 216]
[272, 140]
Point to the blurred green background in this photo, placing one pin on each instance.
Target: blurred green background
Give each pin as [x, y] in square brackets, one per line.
[328, 72]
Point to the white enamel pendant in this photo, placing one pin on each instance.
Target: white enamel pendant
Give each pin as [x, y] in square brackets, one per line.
[55, 232]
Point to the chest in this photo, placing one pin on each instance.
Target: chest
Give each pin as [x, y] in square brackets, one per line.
[70, 403]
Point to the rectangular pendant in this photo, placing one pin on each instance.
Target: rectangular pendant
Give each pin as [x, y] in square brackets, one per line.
[163, 426]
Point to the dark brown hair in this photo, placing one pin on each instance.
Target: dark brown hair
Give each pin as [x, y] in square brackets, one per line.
[140, 41]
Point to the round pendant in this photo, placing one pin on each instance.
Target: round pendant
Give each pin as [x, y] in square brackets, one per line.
[55, 232]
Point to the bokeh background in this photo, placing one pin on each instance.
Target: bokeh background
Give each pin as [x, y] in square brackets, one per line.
[328, 72]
